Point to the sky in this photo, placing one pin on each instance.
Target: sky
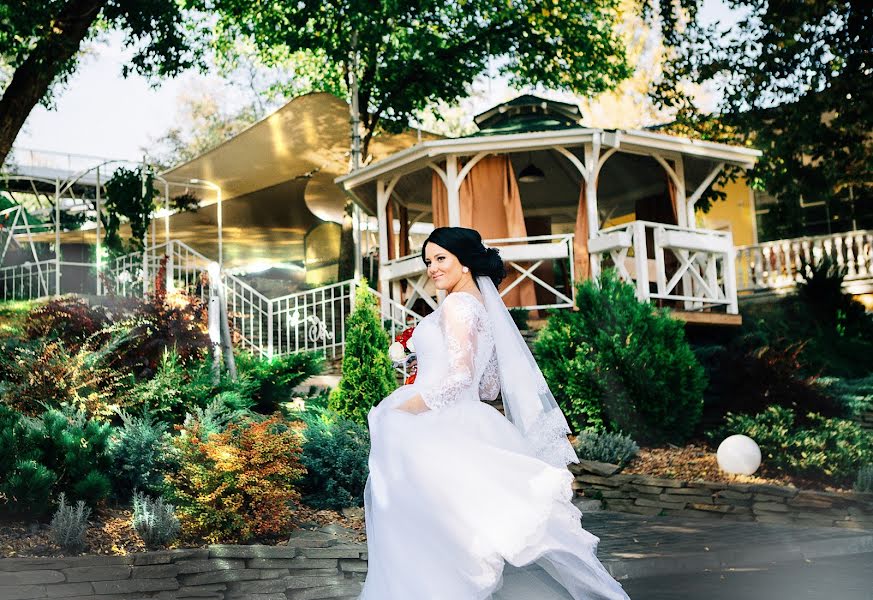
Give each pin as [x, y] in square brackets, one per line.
[100, 113]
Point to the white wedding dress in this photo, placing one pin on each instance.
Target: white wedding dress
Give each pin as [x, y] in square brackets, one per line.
[458, 507]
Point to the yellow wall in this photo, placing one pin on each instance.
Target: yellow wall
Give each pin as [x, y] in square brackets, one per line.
[735, 214]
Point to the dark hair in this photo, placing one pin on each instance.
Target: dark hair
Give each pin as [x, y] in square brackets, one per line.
[467, 245]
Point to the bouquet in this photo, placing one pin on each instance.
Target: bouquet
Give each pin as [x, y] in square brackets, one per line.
[402, 350]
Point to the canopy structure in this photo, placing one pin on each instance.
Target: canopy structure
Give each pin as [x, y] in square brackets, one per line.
[563, 179]
[280, 204]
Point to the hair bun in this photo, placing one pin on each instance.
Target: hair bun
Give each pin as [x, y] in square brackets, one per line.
[491, 265]
[467, 245]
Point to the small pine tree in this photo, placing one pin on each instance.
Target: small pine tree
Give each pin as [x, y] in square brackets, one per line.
[368, 373]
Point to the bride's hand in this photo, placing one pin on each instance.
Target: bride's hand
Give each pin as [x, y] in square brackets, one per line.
[414, 405]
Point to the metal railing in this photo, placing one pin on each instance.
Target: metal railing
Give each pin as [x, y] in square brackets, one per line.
[778, 265]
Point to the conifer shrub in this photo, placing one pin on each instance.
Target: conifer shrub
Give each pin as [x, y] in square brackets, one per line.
[237, 484]
[138, 449]
[273, 379]
[335, 455]
[25, 483]
[76, 449]
[367, 371]
[618, 364]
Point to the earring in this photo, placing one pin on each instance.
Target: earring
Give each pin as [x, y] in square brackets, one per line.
[465, 270]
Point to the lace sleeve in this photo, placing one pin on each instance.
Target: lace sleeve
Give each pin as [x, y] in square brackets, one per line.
[489, 384]
[458, 323]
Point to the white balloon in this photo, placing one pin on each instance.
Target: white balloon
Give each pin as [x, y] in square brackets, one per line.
[739, 455]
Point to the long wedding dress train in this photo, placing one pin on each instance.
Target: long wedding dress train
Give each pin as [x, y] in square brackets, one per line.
[456, 495]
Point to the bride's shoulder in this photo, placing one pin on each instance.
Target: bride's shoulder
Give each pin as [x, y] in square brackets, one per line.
[462, 304]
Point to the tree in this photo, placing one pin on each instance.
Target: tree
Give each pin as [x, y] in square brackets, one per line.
[406, 55]
[368, 374]
[796, 79]
[40, 41]
[412, 53]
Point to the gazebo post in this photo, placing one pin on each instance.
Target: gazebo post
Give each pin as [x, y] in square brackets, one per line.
[381, 203]
[453, 186]
[592, 157]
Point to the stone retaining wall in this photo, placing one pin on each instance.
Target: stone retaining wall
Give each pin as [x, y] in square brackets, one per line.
[310, 567]
[646, 495]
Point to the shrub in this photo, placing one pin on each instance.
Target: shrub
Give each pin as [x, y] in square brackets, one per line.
[620, 365]
[824, 449]
[836, 333]
[274, 379]
[237, 484]
[745, 379]
[70, 320]
[855, 396]
[76, 449]
[613, 448]
[864, 480]
[164, 322]
[519, 317]
[51, 376]
[138, 454]
[69, 525]
[368, 373]
[335, 456]
[154, 521]
[25, 484]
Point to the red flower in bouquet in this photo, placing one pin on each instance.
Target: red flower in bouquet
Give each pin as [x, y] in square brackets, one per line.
[400, 350]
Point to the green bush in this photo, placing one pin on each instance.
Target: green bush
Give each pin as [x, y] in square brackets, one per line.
[520, 317]
[620, 365]
[272, 380]
[822, 449]
[368, 374]
[76, 449]
[138, 454]
[25, 484]
[335, 454]
[613, 448]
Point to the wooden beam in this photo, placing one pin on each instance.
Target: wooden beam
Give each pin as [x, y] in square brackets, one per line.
[707, 318]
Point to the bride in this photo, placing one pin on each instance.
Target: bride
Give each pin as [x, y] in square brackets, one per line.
[463, 503]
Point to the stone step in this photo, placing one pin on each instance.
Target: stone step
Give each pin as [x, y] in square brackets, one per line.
[587, 505]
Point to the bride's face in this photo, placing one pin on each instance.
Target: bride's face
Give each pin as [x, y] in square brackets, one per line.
[443, 267]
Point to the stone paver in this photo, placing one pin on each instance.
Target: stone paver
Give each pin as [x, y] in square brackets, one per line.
[633, 546]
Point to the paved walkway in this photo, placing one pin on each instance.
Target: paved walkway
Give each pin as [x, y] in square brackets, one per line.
[634, 546]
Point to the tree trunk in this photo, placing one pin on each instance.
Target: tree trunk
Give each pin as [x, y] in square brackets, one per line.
[35, 75]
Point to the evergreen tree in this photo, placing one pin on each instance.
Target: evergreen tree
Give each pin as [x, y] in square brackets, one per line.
[368, 374]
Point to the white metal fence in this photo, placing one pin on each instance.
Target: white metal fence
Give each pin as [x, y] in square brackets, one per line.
[311, 320]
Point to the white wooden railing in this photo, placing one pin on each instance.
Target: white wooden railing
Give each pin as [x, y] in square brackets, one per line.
[778, 265]
[533, 250]
[692, 267]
